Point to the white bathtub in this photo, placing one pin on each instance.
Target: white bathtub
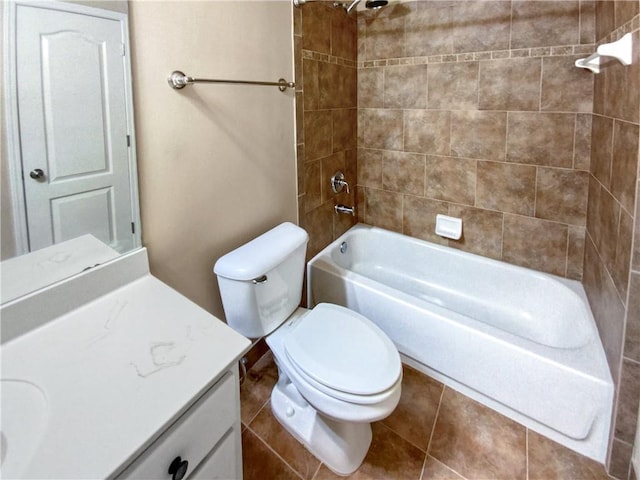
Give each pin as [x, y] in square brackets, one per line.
[519, 341]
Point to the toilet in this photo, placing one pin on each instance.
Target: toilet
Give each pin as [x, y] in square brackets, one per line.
[337, 371]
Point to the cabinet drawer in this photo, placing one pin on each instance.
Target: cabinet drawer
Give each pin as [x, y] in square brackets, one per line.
[225, 460]
[192, 436]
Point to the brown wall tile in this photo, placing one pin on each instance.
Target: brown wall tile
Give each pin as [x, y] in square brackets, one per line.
[575, 252]
[629, 394]
[632, 335]
[405, 86]
[606, 306]
[582, 142]
[620, 459]
[601, 149]
[561, 195]
[451, 179]
[625, 10]
[403, 172]
[383, 209]
[534, 243]
[344, 35]
[427, 132]
[344, 122]
[510, 84]
[371, 87]
[337, 86]
[478, 135]
[481, 25]
[383, 129]
[385, 32]
[435, 18]
[620, 267]
[623, 88]
[624, 166]
[506, 187]
[542, 23]
[419, 218]
[453, 86]
[317, 133]
[587, 21]
[481, 231]
[541, 138]
[310, 84]
[566, 88]
[316, 223]
[370, 168]
[605, 231]
[312, 180]
[316, 28]
[605, 18]
[635, 261]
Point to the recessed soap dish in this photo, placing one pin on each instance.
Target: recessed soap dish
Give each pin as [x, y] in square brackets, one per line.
[449, 227]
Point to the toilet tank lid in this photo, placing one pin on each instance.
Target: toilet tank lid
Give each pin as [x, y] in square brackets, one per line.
[261, 254]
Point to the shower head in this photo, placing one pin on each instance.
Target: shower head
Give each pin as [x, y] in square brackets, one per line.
[370, 4]
[376, 4]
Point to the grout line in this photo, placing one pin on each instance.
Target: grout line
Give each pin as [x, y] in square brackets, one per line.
[275, 453]
[435, 419]
[315, 474]
[526, 453]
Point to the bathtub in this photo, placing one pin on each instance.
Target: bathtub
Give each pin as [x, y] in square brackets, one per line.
[519, 341]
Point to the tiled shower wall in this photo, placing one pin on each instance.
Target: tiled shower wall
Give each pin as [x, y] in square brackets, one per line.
[474, 109]
[610, 249]
[325, 41]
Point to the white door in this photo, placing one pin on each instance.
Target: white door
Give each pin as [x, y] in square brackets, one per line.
[70, 70]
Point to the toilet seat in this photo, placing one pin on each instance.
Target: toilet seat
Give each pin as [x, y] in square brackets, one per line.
[344, 355]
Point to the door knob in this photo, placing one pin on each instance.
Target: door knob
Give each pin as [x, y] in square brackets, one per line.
[36, 174]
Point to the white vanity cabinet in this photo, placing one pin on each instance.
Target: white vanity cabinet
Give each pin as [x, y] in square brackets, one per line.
[119, 376]
[203, 443]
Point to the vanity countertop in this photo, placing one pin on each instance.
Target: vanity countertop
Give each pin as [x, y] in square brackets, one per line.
[107, 378]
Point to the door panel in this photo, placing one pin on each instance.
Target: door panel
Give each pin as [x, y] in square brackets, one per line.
[73, 126]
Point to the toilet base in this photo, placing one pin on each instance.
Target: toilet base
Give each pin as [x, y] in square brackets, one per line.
[340, 445]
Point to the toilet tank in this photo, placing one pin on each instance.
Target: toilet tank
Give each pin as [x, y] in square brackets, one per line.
[261, 281]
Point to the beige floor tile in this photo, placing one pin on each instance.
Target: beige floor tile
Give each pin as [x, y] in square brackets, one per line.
[477, 442]
[260, 463]
[389, 457]
[551, 461]
[267, 427]
[434, 470]
[256, 389]
[415, 415]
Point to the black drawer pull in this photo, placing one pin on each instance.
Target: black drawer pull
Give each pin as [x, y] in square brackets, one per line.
[178, 468]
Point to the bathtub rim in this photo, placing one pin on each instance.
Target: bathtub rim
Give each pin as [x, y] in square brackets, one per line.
[588, 359]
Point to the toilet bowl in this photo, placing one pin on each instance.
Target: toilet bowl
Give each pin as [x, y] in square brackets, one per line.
[337, 371]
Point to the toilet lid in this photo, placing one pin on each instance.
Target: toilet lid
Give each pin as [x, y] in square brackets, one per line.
[343, 350]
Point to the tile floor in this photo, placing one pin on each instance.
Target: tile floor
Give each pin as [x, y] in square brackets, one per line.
[435, 433]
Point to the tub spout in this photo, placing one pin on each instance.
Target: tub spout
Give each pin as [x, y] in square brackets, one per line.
[344, 209]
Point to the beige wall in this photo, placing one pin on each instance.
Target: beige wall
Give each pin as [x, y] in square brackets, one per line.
[612, 259]
[216, 162]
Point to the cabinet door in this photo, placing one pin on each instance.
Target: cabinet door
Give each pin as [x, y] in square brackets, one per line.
[224, 461]
[193, 435]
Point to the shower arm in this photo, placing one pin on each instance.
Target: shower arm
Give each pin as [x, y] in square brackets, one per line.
[347, 7]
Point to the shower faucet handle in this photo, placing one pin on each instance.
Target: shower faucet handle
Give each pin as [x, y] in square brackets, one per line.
[338, 183]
